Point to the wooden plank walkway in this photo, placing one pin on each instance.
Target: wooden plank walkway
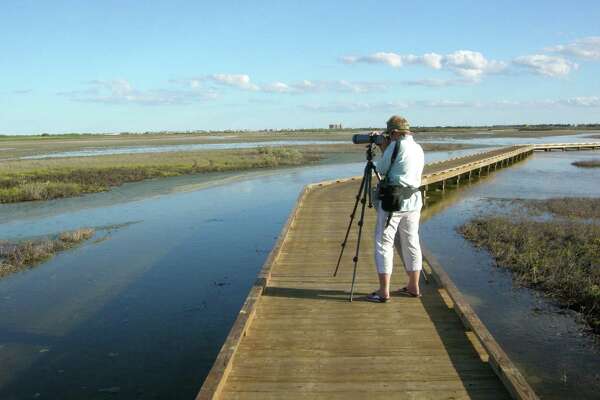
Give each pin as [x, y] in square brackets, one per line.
[567, 146]
[298, 337]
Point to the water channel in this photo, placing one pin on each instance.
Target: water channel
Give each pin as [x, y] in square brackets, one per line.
[141, 310]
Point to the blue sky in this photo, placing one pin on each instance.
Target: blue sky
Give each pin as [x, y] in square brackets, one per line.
[118, 65]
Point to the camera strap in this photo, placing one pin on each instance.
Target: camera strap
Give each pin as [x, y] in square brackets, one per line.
[394, 155]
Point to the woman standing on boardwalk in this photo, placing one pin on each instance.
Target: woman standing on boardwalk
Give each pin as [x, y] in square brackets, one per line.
[402, 164]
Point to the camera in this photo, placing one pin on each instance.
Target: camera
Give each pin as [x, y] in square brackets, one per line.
[366, 138]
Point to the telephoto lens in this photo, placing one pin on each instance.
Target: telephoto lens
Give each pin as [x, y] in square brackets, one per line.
[365, 138]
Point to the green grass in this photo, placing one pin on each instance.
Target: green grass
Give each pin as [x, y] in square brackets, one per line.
[45, 179]
[29, 180]
[15, 257]
[559, 257]
[587, 164]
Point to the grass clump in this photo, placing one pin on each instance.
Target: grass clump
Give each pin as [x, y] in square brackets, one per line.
[587, 164]
[559, 257]
[16, 257]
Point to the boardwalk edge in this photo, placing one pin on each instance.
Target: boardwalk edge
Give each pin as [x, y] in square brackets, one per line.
[213, 384]
[501, 364]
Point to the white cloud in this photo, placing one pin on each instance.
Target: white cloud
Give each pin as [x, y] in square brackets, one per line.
[581, 101]
[448, 104]
[470, 65]
[428, 82]
[308, 86]
[351, 107]
[553, 66]
[431, 60]
[590, 101]
[121, 91]
[353, 87]
[277, 87]
[244, 82]
[240, 81]
[392, 59]
[587, 48]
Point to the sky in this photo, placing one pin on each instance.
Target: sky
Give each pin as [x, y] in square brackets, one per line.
[120, 65]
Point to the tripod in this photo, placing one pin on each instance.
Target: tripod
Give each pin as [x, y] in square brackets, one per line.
[364, 194]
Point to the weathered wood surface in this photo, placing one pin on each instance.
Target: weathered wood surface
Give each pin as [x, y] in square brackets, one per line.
[297, 336]
[499, 361]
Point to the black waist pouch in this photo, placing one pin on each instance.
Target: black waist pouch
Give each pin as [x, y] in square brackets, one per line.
[392, 196]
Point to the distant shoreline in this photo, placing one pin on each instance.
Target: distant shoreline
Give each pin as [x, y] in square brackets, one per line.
[286, 131]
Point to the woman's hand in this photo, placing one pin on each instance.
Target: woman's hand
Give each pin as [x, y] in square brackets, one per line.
[386, 140]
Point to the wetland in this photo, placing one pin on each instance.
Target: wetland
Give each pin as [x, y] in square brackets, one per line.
[143, 312]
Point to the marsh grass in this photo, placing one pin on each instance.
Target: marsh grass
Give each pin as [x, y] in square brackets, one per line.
[558, 257]
[45, 179]
[30, 180]
[16, 257]
[587, 164]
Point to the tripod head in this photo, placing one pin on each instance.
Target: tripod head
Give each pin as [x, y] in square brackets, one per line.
[370, 167]
[370, 151]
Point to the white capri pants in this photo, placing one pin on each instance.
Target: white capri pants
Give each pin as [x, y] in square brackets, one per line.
[403, 232]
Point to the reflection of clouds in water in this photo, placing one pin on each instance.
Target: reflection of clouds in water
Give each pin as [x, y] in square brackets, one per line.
[474, 301]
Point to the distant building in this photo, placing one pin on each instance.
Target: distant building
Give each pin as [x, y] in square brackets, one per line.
[335, 126]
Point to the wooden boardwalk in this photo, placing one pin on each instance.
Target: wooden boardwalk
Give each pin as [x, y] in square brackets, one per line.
[298, 337]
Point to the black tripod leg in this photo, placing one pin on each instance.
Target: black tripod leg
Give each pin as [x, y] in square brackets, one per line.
[361, 222]
[369, 187]
[358, 196]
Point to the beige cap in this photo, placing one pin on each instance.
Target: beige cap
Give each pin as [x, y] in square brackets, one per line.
[397, 123]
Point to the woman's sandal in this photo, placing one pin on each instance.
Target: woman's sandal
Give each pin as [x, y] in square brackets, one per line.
[405, 291]
[376, 298]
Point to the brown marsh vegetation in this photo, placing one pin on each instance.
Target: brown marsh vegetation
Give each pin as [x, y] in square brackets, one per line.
[560, 257]
[19, 256]
[587, 164]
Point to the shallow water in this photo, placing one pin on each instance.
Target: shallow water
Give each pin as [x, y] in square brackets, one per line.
[143, 313]
[103, 151]
[508, 141]
[546, 342]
